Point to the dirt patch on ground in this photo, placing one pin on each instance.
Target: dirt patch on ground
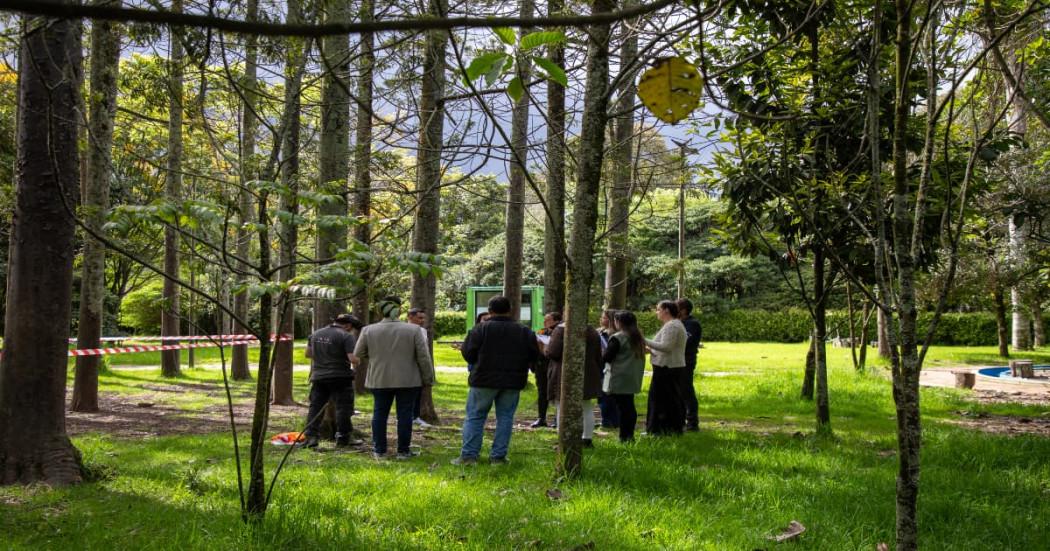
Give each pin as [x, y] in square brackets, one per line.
[148, 414]
[1004, 424]
[990, 391]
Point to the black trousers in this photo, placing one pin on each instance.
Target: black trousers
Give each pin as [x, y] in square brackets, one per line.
[665, 413]
[628, 414]
[541, 390]
[341, 391]
[688, 391]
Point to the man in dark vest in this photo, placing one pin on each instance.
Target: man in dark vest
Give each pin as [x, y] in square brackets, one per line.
[331, 351]
[501, 350]
[692, 346]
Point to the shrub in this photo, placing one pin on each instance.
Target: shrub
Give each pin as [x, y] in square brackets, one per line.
[140, 310]
[449, 323]
[789, 325]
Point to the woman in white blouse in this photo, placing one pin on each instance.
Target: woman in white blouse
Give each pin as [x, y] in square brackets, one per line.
[666, 411]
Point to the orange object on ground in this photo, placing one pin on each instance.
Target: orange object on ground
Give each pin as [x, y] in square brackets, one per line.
[287, 438]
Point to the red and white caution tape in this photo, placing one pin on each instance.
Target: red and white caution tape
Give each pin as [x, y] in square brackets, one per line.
[152, 348]
[186, 338]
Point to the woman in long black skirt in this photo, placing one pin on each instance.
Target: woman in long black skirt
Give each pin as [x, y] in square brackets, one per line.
[666, 410]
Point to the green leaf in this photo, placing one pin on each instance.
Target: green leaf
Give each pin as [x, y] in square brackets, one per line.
[515, 90]
[541, 38]
[496, 70]
[506, 35]
[552, 71]
[483, 64]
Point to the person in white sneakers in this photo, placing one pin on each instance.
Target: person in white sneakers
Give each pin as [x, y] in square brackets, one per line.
[418, 316]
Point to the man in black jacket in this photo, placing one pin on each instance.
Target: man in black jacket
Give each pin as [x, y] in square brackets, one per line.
[692, 345]
[501, 350]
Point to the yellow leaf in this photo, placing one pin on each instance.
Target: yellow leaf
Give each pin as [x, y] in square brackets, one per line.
[671, 89]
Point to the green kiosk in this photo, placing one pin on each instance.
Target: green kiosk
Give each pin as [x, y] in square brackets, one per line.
[531, 304]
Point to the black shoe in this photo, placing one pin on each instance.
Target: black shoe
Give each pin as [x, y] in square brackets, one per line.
[588, 443]
[538, 423]
[693, 428]
[498, 461]
[310, 442]
[347, 442]
[406, 455]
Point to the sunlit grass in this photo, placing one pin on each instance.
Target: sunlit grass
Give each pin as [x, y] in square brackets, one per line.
[755, 466]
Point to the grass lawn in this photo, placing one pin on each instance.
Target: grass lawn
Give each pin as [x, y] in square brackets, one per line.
[753, 468]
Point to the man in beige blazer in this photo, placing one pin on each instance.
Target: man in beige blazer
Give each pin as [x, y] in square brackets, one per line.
[398, 367]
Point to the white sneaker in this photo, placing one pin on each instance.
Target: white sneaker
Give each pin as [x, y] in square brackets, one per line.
[421, 423]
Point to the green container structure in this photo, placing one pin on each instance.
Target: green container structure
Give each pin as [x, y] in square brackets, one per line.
[531, 304]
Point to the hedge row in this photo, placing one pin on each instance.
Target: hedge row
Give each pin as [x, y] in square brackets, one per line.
[793, 325]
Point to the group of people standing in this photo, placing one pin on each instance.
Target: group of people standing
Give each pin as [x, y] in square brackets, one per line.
[500, 353]
[399, 366]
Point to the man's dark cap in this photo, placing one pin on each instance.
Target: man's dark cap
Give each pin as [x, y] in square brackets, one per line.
[347, 319]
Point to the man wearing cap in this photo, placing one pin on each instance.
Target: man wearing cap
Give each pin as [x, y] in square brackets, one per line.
[398, 367]
[331, 353]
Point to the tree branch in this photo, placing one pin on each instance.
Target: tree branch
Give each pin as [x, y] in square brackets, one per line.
[112, 13]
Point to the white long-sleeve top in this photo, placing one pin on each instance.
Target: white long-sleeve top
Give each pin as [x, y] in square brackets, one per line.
[668, 345]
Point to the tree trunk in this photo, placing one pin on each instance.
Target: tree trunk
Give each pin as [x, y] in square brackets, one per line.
[1002, 328]
[820, 331]
[906, 368]
[581, 244]
[883, 327]
[1018, 123]
[363, 158]
[428, 182]
[619, 188]
[851, 313]
[515, 212]
[864, 335]
[334, 148]
[283, 349]
[102, 99]
[169, 319]
[1038, 327]
[249, 169]
[811, 367]
[1021, 338]
[33, 442]
[515, 234]
[256, 502]
[554, 236]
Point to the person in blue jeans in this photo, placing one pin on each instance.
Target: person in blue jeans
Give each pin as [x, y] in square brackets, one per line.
[501, 350]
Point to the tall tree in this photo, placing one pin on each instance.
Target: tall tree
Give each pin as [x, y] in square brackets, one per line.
[169, 320]
[295, 56]
[334, 147]
[515, 218]
[249, 172]
[581, 244]
[619, 188]
[363, 155]
[33, 441]
[102, 106]
[554, 236]
[428, 180]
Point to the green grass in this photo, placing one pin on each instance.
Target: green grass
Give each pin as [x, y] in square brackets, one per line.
[755, 466]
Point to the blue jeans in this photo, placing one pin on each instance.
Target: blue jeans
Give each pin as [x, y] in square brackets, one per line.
[479, 402]
[383, 399]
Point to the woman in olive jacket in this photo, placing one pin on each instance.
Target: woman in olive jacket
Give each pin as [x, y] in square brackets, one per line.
[666, 410]
[592, 375]
[625, 359]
